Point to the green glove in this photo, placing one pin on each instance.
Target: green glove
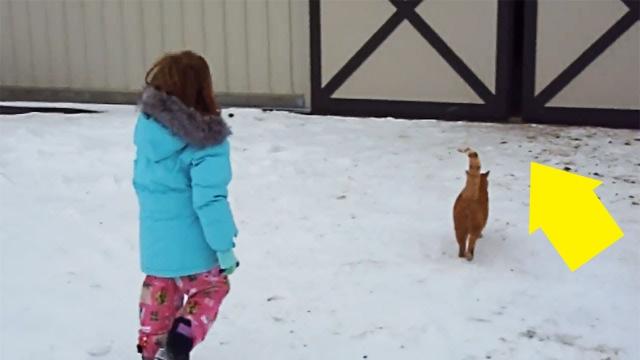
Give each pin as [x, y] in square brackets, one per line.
[228, 262]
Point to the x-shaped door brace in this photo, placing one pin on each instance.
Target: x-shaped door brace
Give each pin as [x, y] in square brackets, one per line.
[588, 56]
[406, 10]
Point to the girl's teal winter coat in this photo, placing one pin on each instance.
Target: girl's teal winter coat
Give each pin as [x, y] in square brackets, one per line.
[181, 173]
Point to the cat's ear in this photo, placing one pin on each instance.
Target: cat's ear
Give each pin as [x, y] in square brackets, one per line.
[486, 175]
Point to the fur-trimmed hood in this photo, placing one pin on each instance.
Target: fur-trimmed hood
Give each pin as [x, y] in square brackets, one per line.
[186, 123]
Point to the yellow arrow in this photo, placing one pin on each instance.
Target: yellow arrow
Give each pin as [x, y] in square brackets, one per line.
[566, 208]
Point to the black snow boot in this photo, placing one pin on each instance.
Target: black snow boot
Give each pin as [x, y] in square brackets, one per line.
[179, 341]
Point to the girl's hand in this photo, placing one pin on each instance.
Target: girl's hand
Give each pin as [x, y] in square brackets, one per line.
[228, 262]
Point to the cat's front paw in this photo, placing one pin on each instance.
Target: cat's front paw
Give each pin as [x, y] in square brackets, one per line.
[469, 256]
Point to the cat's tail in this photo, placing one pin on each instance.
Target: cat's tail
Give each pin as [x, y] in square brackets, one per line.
[474, 160]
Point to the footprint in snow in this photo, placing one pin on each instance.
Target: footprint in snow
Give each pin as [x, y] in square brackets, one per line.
[276, 149]
[99, 350]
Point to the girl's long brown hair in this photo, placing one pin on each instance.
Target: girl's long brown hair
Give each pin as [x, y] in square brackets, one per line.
[185, 75]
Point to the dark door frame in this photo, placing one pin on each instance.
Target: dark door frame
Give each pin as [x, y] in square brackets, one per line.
[496, 106]
[534, 107]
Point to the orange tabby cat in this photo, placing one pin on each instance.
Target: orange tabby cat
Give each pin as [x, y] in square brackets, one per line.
[471, 209]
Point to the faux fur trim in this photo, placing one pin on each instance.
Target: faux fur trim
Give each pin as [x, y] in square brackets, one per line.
[184, 122]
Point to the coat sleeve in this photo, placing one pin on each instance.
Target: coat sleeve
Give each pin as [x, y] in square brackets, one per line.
[210, 176]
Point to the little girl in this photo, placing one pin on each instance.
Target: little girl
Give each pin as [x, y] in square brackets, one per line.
[187, 232]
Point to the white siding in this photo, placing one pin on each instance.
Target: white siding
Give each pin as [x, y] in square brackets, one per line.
[77, 49]
[58, 44]
[258, 49]
[7, 50]
[20, 32]
[96, 43]
[133, 26]
[253, 46]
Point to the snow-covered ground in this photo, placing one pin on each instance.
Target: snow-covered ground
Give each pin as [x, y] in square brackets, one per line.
[346, 242]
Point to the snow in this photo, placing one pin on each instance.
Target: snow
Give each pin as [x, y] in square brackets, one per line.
[346, 242]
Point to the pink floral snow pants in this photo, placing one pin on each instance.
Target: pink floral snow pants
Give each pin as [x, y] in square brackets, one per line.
[162, 301]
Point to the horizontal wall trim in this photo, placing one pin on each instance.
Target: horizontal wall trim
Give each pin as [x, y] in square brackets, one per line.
[611, 118]
[18, 93]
